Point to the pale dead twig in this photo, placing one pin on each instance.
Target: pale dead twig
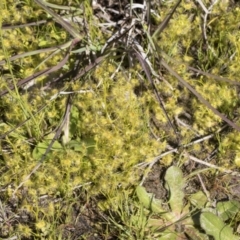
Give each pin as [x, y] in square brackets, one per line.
[180, 122]
[214, 166]
[207, 12]
[149, 165]
[204, 188]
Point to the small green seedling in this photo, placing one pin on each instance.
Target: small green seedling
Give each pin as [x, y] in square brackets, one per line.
[187, 220]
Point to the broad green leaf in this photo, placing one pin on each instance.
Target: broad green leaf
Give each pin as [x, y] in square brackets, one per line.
[215, 227]
[76, 145]
[90, 144]
[41, 148]
[56, 146]
[74, 120]
[198, 199]
[148, 201]
[228, 209]
[175, 183]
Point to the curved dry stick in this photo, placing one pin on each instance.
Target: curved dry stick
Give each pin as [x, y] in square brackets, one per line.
[166, 20]
[147, 71]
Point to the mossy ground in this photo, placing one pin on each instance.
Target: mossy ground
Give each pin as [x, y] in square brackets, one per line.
[115, 125]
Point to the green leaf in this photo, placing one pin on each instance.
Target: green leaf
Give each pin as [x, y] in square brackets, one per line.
[198, 199]
[74, 120]
[215, 227]
[90, 144]
[41, 148]
[175, 183]
[148, 200]
[227, 210]
[76, 145]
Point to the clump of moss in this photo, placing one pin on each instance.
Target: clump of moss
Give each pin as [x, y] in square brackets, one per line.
[219, 56]
[115, 124]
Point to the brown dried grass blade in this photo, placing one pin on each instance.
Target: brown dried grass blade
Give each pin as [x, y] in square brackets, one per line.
[166, 20]
[199, 96]
[147, 71]
[40, 73]
[58, 19]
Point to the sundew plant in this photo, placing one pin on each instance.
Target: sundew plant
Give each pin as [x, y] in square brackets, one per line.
[94, 94]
